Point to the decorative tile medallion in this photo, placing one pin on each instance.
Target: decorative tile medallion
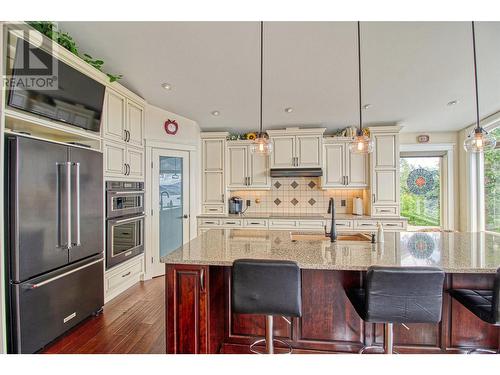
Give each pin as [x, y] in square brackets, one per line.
[294, 201]
[294, 184]
[311, 202]
[277, 185]
[277, 202]
[311, 184]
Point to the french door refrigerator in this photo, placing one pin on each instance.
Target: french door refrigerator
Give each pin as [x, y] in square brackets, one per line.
[54, 230]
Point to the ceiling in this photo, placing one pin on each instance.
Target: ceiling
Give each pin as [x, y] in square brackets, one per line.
[410, 70]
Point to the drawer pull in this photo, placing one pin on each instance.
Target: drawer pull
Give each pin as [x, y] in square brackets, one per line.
[213, 209]
[127, 274]
[209, 222]
[385, 211]
[391, 225]
[366, 225]
[255, 223]
[230, 222]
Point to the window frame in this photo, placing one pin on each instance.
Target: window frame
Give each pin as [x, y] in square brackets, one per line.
[478, 160]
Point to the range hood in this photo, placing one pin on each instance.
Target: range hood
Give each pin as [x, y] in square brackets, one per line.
[296, 172]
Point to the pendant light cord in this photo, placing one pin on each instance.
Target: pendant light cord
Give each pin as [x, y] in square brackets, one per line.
[261, 69]
[359, 80]
[475, 75]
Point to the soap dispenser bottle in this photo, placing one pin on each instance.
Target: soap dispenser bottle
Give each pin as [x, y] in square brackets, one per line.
[380, 232]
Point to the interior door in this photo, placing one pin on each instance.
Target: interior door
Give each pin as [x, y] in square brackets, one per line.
[87, 197]
[170, 204]
[38, 188]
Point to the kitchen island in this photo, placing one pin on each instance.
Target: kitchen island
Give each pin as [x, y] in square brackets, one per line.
[199, 317]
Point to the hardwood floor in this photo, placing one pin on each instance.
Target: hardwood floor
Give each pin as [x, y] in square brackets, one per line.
[133, 322]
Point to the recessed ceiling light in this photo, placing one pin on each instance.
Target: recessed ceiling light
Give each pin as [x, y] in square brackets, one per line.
[166, 86]
[366, 106]
[215, 113]
[453, 102]
[289, 110]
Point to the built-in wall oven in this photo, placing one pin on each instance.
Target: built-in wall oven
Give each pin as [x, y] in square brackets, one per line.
[124, 221]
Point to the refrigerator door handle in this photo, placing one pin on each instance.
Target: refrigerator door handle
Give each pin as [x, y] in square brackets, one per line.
[77, 204]
[68, 203]
[59, 203]
[45, 282]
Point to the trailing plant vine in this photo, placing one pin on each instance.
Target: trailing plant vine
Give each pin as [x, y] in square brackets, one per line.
[48, 29]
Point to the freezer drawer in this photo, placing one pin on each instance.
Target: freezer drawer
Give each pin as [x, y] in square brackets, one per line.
[46, 307]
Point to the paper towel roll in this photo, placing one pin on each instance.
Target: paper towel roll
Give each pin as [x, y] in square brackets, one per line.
[357, 206]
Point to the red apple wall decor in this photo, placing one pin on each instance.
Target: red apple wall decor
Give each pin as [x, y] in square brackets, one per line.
[171, 127]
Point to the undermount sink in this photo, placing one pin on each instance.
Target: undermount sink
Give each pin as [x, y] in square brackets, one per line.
[354, 237]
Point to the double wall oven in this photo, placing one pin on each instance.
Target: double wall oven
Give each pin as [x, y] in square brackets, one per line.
[124, 221]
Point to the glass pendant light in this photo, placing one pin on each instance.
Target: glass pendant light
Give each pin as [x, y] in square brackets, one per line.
[479, 140]
[261, 145]
[361, 143]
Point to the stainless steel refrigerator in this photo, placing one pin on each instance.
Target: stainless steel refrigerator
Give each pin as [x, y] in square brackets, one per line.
[54, 229]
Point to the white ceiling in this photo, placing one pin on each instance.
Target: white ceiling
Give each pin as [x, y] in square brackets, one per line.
[411, 70]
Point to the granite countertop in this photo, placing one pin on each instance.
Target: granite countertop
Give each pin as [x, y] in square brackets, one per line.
[454, 252]
[307, 216]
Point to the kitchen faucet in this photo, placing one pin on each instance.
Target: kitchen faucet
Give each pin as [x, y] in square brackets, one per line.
[333, 228]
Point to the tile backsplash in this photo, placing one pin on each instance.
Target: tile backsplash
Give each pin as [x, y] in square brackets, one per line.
[290, 195]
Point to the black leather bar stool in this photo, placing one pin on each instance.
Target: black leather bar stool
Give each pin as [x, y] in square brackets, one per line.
[268, 287]
[485, 304]
[399, 295]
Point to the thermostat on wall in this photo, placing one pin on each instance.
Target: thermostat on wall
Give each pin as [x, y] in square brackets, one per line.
[424, 138]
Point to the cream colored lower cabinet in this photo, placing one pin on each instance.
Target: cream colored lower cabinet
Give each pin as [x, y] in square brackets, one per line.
[121, 277]
[342, 225]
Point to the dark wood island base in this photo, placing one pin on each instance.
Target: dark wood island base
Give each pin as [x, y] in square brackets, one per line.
[199, 318]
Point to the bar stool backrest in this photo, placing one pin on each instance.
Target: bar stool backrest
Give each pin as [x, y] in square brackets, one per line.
[404, 294]
[268, 287]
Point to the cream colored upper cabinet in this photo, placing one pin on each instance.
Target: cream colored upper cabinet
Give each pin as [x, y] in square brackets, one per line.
[258, 171]
[334, 169]
[135, 124]
[213, 154]
[342, 168]
[237, 161]
[246, 170]
[283, 155]
[385, 151]
[296, 148]
[308, 151]
[114, 116]
[115, 158]
[356, 169]
[135, 162]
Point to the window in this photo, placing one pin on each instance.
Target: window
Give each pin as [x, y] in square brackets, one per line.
[492, 186]
[420, 186]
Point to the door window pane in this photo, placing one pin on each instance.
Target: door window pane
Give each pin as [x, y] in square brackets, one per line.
[492, 186]
[421, 190]
[170, 201]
